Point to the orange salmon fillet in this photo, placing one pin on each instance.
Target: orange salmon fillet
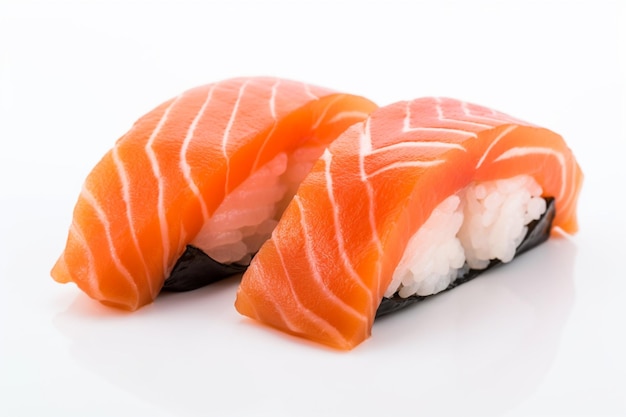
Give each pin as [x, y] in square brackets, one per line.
[151, 193]
[324, 271]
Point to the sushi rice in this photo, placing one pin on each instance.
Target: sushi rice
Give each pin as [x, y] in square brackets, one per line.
[247, 216]
[483, 221]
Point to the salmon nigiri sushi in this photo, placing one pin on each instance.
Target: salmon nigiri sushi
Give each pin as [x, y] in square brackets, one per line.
[420, 197]
[190, 193]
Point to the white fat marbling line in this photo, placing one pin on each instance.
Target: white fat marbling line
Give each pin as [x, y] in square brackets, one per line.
[493, 143]
[226, 136]
[572, 190]
[184, 163]
[407, 164]
[365, 148]
[273, 98]
[348, 114]
[102, 217]
[313, 317]
[420, 144]
[406, 126]
[322, 116]
[307, 90]
[442, 129]
[534, 150]
[496, 119]
[406, 122]
[272, 105]
[268, 294]
[341, 248]
[92, 277]
[156, 170]
[121, 170]
[501, 119]
[466, 111]
[310, 254]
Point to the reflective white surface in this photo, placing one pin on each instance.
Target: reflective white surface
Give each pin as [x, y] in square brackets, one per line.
[543, 336]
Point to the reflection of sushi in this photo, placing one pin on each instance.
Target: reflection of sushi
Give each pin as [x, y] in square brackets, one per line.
[407, 204]
[206, 173]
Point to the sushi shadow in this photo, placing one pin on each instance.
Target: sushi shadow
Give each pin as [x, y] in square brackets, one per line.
[480, 349]
[159, 352]
[491, 341]
[166, 302]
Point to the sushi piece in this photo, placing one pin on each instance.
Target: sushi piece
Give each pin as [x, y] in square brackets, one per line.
[190, 193]
[422, 196]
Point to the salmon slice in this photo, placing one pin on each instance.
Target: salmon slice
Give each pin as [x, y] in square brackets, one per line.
[155, 193]
[330, 260]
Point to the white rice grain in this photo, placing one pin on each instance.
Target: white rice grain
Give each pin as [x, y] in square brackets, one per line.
[482, 222]
[248, 215]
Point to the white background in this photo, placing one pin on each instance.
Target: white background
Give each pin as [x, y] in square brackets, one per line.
[541, 337]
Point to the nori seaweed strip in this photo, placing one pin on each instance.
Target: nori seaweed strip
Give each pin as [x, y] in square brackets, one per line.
[195, 269]
[538, 232]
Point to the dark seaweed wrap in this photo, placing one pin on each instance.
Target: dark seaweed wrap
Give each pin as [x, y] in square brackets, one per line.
[538, 232]
[195, 269]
